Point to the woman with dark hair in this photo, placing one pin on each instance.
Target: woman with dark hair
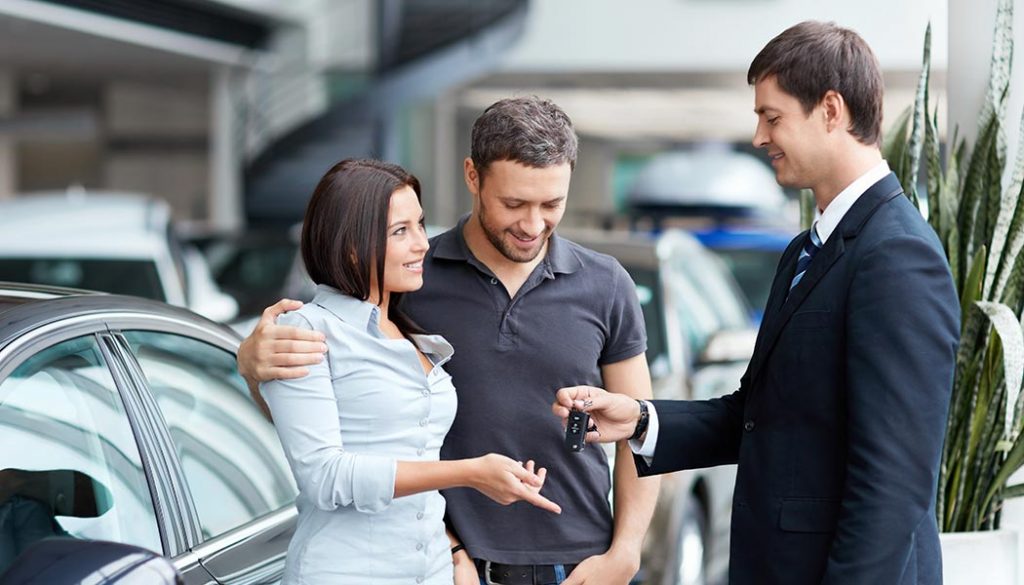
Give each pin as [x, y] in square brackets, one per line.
[363, 429]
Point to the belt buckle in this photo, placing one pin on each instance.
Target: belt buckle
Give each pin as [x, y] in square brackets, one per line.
[487, 573]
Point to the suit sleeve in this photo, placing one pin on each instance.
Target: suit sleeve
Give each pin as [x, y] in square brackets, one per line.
[902, 330]
[696, 433]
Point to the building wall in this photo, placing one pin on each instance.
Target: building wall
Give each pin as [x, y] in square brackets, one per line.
[710, 35]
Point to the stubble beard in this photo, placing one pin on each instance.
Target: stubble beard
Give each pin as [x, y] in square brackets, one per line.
[508, 250]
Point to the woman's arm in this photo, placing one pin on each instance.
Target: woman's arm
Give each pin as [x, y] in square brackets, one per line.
[305, 413]
[503, 480]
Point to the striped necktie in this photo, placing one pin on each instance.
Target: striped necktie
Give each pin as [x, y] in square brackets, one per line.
[811, 247]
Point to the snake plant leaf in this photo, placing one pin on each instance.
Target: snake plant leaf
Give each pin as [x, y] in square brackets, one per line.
[953, 254]
[894, 147]
[952, 186]
[933, 171]
[1014, 460]
[1013, 491]
[807, 208]
[973, 212]
[1006, 325]
[1008, 236]
[999, 67]
[918, 122]
[971, 292]
[1013, 292]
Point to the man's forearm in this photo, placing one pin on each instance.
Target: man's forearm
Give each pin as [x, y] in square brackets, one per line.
[635, 499]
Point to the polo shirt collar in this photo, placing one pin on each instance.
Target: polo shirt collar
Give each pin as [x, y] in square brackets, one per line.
[559, 257]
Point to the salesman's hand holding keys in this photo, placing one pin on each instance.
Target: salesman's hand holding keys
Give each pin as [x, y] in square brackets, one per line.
[613, 417]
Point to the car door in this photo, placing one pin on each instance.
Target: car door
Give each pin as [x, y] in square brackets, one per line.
[75, 460]
[240, 486]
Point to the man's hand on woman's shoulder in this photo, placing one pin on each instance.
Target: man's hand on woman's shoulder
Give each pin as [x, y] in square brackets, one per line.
[278, 352]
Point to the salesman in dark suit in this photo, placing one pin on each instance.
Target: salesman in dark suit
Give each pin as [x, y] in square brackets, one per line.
[838, 423]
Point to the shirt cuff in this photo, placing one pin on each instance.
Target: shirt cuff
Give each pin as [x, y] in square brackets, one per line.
[373, 482]
[646, 448]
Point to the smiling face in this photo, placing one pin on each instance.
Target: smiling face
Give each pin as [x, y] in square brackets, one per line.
[406, 244]
[796, 142]
[518, 207]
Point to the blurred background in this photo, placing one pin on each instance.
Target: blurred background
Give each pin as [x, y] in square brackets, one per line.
[226, 112]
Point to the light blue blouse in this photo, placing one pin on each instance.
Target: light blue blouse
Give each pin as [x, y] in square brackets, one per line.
[344, 426]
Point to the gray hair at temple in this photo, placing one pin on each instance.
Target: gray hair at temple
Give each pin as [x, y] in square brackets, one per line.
[528, 130]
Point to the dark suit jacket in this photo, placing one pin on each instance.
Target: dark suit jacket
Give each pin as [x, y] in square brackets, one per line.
[839, 420]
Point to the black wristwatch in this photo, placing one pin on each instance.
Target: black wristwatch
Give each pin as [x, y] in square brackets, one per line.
[641, 423]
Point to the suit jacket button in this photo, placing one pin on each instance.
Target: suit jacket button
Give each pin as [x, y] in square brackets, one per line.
[748, 426]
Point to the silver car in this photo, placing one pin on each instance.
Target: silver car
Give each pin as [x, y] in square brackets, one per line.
[123, 419]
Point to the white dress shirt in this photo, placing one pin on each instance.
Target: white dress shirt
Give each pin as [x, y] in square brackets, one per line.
[826, 223]
[344, 427]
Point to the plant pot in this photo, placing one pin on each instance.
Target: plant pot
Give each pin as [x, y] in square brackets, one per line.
[989, 557]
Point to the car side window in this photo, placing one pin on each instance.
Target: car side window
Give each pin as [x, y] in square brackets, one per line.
[69, 463]
[230, 453]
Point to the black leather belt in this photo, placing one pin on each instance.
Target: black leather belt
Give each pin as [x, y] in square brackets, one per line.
[502, 574]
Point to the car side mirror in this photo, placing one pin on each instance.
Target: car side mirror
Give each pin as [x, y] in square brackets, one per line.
[68, 561]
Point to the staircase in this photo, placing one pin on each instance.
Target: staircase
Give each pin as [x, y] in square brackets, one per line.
[424, 48]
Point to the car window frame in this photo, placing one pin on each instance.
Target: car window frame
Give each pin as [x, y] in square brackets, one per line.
[228, 341]
[53, 334]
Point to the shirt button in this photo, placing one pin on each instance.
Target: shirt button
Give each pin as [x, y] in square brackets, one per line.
[419, 515]
[426, 392]
[419, 546]
[419, 579]
[494, 281]
[748, 426]
[419, 451]
[423, 423]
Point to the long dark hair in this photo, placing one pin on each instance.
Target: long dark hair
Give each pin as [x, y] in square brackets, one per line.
[344, 233]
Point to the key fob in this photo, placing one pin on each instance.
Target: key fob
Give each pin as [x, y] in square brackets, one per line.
[576, 430]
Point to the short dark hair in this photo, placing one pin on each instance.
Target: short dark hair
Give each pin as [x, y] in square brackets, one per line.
[528, 130]
[811, 58]
[344, 233]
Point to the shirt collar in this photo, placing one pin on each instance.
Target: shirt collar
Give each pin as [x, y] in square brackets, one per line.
[348, 308]
[435, 346]
[560, 257]
[829, 219]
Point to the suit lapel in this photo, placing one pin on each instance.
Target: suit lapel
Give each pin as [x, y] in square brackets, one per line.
[782, 308]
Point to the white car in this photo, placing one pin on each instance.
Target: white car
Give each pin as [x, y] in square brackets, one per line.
[112, 242]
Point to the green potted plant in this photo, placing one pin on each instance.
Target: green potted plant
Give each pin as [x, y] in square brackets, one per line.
[981, 226]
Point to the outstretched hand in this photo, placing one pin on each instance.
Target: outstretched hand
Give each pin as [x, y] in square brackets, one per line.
[613, 417]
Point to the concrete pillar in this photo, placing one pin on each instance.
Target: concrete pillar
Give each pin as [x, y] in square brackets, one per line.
[448, 189]
[8, 143]
[225, 161]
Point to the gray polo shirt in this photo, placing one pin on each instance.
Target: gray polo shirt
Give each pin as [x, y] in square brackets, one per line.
[577, 311]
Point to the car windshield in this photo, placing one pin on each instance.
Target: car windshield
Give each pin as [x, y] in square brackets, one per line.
[754, 271]
[127, 277]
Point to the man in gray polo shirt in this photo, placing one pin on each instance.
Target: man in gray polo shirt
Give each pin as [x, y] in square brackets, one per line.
[528, 312]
